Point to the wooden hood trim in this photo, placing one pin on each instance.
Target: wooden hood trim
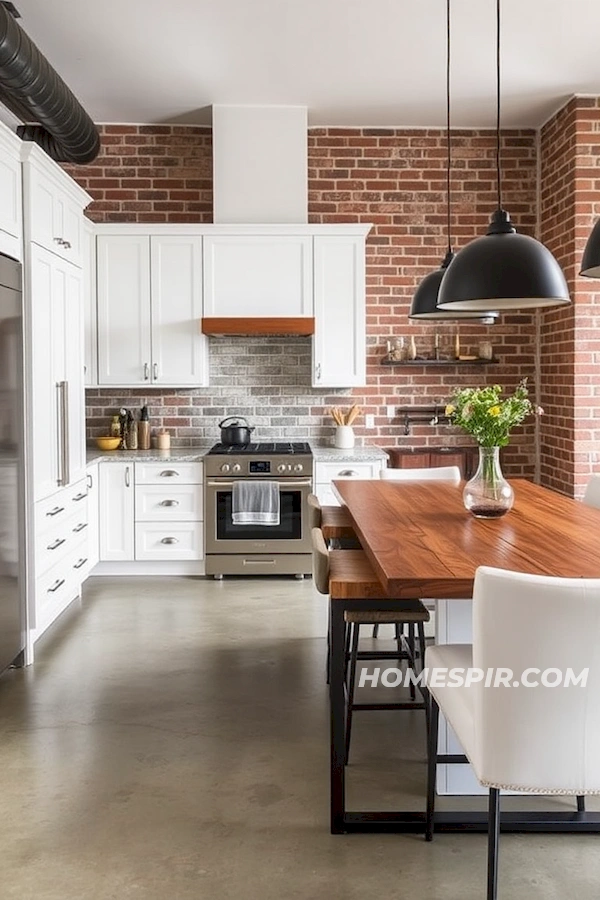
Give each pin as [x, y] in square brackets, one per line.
[259, 325]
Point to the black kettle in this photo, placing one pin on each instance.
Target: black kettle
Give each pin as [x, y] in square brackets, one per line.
[235, 432]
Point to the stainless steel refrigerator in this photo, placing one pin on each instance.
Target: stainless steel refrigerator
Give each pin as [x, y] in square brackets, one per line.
[12, 504]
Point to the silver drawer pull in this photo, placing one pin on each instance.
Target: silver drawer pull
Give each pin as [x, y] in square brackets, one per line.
[347, 473]
[58, 583]
[169, 503]
[56, 511]
[81, 563]
[169, 540]
[79, 497]
[80, 527]
[168, 473]
[55, 544]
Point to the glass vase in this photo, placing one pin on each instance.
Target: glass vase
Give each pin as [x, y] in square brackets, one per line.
[488, 495]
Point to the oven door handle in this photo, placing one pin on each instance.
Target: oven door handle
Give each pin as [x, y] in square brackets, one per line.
[282, 484]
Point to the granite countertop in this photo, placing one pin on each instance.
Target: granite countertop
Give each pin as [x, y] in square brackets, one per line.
[175, 454]
[368, 452]
[321, 453]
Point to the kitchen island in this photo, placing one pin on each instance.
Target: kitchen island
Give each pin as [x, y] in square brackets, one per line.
[422, 543]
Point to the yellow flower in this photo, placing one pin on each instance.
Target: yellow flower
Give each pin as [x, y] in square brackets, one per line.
[449, 410]
[494, 411]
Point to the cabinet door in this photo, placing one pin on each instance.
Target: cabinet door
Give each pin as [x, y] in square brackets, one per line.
[74, 374]
[339, 352]
[90, 347]
[124, 343]
[179, 351]
[408, 459]
[45, 313]
[116, 502]
[93, 548]
[10, 191]
[257, 275]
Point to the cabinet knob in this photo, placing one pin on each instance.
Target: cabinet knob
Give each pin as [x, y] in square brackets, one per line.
[169, 540]
[347, 473]
[169, 502]
[168, 473]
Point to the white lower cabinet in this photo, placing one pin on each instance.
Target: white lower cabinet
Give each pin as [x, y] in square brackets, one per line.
[61, 525]
[326, 472]
[150, 512]
[116, 501]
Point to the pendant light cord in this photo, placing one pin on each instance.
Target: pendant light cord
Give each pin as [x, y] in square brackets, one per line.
[448, 157]
[498, 172]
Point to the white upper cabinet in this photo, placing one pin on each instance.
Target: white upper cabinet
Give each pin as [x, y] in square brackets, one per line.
[11, 217]
[256, 275]
[124, 341]
[149, 295]
[179, 351]
[54, 204]
[339, 341]
[90, 336]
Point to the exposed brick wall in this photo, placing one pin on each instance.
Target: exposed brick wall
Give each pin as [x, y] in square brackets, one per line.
[150, 173]
[570, 204]
[391, 177]
[557, 327]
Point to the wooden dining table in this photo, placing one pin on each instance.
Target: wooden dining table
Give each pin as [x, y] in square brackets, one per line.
[422, 543]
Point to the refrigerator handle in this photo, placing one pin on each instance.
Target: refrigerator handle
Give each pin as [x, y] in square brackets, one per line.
[65, 433]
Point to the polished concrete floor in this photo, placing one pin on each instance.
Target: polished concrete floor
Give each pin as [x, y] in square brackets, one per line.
[171, 741]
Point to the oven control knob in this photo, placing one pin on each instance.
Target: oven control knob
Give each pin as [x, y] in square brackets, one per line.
[298, 467]
[237, 468]
[281, 467]
[225, 467]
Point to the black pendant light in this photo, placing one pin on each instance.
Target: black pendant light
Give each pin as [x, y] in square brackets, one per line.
[424, 302]
[590, 262]
[503, 269]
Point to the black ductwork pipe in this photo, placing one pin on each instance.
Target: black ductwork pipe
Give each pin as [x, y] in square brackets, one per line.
[32, 90]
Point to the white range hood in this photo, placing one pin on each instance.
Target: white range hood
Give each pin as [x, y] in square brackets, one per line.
[260, 165]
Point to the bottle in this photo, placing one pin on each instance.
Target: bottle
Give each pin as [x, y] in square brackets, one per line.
[115, 427]
[144, 430]
[132, 432]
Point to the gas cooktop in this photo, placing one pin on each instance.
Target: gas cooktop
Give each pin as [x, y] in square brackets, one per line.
[280, 448]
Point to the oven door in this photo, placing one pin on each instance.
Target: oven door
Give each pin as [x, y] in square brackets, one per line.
[290, 536]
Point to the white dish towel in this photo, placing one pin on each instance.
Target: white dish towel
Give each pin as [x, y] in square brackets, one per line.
[255, 503]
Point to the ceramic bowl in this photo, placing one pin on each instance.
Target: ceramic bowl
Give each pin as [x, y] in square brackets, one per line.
[107, 443]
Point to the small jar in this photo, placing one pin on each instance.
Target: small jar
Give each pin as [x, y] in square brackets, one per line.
[485, 350]
[163, 440]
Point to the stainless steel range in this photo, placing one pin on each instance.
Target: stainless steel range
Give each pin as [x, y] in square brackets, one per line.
[284, 548]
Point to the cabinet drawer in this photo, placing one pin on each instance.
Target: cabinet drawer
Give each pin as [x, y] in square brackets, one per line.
[55, 543]
[176, 540]
[54, 590]
[168, 502]
[67, 502]
[329, 471]
[168, 473]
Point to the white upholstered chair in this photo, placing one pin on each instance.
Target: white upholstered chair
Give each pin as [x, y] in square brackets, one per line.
[436, 473]
[592, 492]
[542, 740]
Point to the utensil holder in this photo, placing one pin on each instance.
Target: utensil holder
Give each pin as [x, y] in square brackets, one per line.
[344, 437]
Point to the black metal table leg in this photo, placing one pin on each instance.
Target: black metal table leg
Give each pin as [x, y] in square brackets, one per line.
[337, 713]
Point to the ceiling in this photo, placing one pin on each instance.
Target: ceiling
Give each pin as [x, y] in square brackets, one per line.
[351, 62]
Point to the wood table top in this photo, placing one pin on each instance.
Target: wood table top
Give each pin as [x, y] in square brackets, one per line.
[422, 542]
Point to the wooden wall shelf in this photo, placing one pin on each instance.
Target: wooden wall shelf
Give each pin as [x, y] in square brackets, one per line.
[438, 362]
